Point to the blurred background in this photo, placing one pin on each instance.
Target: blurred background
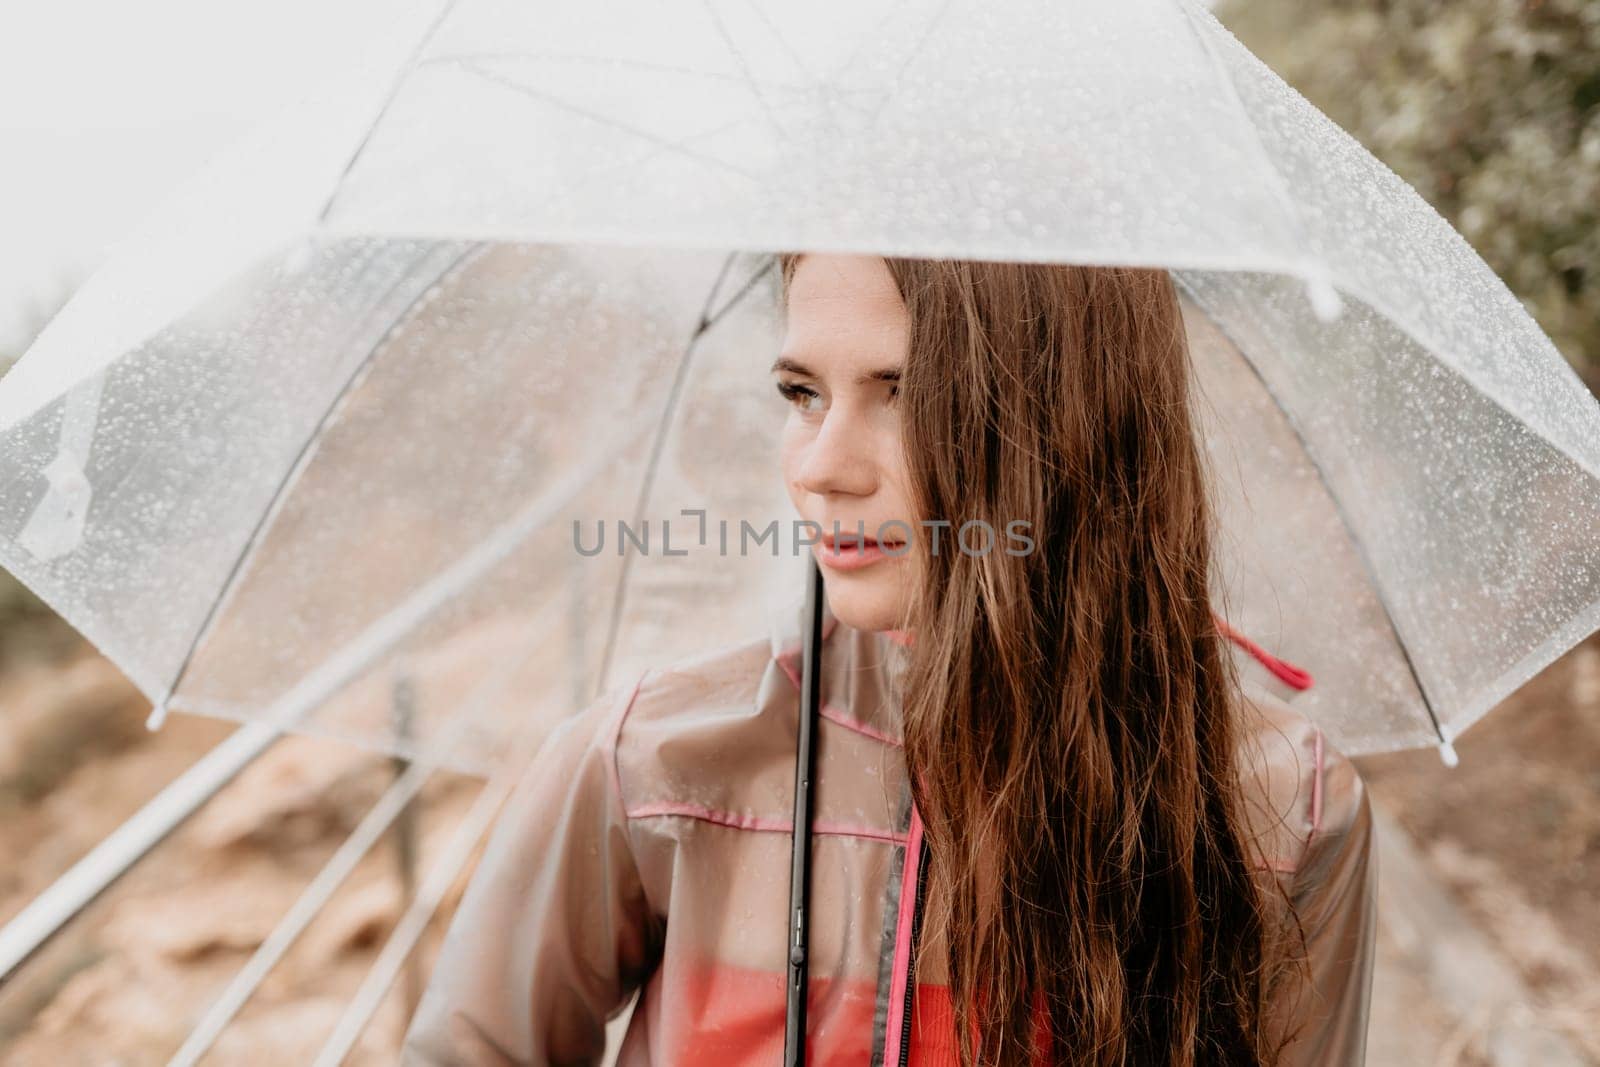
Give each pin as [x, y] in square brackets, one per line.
[1490, 927]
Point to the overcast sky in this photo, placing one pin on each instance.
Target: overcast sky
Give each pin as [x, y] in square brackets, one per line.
[105, 106]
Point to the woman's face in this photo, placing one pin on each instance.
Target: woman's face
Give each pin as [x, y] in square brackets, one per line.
[848, 332]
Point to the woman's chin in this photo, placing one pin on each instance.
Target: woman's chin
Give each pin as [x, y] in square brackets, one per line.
[855, 603]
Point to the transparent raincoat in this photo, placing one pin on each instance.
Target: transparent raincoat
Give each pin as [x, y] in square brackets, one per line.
[648, 848]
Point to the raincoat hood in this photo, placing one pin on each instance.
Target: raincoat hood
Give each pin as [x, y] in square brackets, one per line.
[648, 848]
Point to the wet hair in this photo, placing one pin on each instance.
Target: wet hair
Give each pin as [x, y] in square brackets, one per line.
[1071, 715]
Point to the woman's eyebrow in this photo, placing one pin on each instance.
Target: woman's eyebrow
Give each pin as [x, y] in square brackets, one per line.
[794, 366]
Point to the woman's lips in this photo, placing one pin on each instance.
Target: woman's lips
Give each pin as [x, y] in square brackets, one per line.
[848, 552]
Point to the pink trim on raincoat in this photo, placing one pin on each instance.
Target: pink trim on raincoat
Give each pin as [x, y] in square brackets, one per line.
[645, 851]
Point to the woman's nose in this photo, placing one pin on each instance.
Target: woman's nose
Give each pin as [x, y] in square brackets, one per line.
[839, 459]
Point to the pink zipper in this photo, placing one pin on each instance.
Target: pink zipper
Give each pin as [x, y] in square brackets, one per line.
[899, 987]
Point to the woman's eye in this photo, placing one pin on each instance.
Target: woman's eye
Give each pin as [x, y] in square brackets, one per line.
[798, 395]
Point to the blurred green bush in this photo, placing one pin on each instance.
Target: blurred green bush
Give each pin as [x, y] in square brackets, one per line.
[1490, 108]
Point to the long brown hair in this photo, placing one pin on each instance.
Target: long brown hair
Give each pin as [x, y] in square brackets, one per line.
[1070, 713]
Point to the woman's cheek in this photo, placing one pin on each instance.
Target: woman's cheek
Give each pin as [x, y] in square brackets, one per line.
[790, 456]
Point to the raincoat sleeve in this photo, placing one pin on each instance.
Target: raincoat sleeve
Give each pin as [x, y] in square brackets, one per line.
[1335, 895]
[554, 931]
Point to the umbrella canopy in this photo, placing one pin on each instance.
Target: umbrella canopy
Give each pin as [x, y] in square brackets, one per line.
[329, 420]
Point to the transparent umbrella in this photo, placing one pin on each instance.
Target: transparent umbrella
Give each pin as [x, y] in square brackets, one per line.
[334, 416]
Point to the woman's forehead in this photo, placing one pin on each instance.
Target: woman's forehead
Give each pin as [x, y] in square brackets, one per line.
[824, 276]
[843, 307]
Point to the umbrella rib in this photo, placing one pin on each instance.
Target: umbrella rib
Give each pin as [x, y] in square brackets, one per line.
[147, 827]
[708, 318]
[505, 82]
[652, 462]
[1422, 339]
[1338, 507]
[428, 597]
[733, 300]
[631, 164]
[1379, 301]
[1275, 176]
[124, 846]
[905, 64]
[800, 65]
[472, 61]
[871, 36]
[302, 458]
[383, 109]
[744, 69]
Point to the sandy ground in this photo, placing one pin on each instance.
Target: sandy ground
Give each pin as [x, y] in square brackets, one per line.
[1513, 833]
[125, 982]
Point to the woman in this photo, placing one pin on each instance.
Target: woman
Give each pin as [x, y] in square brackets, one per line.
[1056, 821]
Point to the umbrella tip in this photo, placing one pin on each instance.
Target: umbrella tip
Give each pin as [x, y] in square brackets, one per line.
[1447, 753]
[158, 717]
[1326, 302]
